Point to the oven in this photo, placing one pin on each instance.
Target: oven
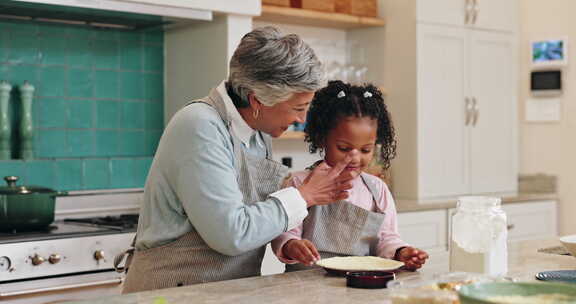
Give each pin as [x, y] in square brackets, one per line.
[72, 259]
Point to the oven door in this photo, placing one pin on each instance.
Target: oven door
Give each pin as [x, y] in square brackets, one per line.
[73, 287]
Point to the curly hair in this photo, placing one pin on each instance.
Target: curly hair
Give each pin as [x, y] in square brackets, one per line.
[327, 108]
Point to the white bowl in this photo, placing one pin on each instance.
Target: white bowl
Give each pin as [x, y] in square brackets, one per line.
[569, 241]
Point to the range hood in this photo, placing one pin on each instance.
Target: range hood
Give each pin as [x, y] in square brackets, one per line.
[117, 14]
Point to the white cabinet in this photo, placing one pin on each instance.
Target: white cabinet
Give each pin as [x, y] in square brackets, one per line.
[481, 14]
[427, 230]
[451, 12]
[534, 220]
[531, 220]
[466, 111]
[270, 264]
[492, 134]
[441, 91]
[424, 229]
[452, 93]
[494, 14]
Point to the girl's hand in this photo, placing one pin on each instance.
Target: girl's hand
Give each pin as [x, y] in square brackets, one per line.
[327, 185]
[302, 251]
[413, 258]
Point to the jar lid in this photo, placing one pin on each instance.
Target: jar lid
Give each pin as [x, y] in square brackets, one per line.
[478, 202]
[12, 188]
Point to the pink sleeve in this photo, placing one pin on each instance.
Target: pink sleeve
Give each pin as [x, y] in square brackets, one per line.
[389, 239]
[295, 233]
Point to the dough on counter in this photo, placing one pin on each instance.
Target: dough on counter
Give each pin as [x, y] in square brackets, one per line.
[362, 263]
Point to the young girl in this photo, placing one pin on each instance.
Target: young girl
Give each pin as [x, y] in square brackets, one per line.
[349, 121]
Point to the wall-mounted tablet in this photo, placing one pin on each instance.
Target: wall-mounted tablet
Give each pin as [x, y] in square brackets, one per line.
[550, 52]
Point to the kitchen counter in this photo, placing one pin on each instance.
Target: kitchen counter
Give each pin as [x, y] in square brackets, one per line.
[415, 205]
[314, 286]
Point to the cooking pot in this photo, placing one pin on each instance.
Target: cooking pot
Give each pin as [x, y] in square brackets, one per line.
[26, 207]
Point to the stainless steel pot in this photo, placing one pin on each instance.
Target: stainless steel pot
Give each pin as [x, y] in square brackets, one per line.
[26, 207]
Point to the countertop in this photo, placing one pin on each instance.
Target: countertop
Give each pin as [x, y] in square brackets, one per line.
[415, 205]
[314, 286]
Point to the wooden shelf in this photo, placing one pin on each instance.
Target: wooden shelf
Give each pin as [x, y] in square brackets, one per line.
[287, 15]
[292, 135]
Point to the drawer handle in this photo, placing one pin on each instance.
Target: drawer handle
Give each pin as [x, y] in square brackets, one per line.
[510, 226]
[59, 288]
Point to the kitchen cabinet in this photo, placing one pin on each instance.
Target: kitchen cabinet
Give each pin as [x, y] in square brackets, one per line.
[492, 87]
[424, 229]
[479, 14]
[270, 263]
[452, 93]
[532, 220]
[466, 112]
[427, 230]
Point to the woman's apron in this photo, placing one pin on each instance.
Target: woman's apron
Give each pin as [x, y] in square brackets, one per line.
[342, 228]
[189, 260]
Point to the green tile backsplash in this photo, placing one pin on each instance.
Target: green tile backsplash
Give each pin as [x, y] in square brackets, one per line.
[98, 104]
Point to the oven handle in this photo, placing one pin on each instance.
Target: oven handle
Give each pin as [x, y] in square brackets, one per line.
[58, 288]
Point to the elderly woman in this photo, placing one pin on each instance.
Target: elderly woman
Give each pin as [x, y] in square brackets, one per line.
[212, 199]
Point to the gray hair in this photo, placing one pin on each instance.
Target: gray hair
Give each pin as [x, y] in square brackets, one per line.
[273, 67]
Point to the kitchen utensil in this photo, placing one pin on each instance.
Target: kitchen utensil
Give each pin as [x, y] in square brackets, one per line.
[341, 265]
[569, 241]
[26, 207]
[524, 293]
[369, 279]
[568, 276]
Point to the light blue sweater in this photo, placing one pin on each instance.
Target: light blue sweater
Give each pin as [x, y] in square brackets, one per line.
[192, 182]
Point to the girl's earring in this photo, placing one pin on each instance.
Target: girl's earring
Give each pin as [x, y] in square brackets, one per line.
[322, 153]
[256, 113]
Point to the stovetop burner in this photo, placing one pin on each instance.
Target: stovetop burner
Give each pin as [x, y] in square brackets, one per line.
[75, 228]
[121, 222]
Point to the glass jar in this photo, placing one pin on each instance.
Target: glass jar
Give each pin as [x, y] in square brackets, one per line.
[479, 236]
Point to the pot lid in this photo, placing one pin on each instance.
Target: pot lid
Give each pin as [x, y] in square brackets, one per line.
[12, 188]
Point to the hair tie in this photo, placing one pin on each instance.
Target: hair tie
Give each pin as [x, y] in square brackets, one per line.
[341, 94]
[367, 94]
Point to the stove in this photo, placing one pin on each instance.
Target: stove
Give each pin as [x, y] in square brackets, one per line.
[70, 249]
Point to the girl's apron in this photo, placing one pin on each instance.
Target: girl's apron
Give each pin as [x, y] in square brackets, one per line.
[188, 260]
[342, 228]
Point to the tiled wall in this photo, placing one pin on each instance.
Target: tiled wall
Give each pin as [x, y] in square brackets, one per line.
[98, 106]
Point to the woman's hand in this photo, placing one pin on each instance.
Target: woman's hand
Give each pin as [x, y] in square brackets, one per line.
[327, 185]
[302, 251]
[413, 258]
